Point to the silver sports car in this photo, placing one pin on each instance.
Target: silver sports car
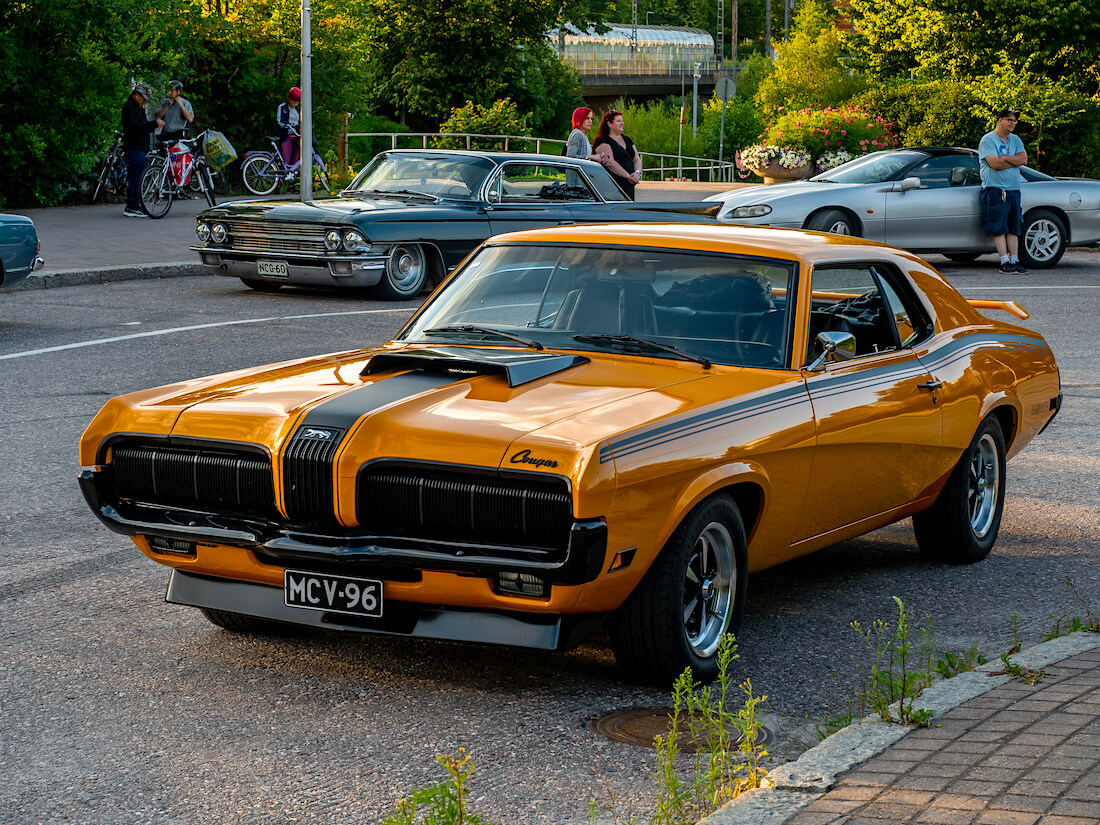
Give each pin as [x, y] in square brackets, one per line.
[924, 199]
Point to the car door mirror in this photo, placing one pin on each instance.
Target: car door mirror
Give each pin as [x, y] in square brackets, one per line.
[910, 183]
[835, 347]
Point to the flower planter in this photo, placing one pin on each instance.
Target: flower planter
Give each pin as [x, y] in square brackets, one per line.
[774, 173]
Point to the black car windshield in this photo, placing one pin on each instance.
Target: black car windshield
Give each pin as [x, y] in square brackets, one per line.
[873, 168]
[651, 303]
[405, 174]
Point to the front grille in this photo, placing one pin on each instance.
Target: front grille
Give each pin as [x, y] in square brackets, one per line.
[214, 480]
[446, 504]
[276, 236]
[307, 475]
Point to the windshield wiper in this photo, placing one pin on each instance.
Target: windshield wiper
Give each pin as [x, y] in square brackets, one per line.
[406, 193]
[471, 328]
[644, 342]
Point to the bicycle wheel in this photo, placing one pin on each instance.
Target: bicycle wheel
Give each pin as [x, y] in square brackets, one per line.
[261, 174]
[102, 171]
[156, 189]
[117, 176]
[202, 173]
[320, 176]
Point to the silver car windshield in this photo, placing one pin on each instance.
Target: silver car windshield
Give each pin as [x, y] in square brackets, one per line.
[873, 168]
[674, 304]
[405, 174]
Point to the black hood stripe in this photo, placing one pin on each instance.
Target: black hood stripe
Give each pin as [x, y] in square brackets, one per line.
[345, 409]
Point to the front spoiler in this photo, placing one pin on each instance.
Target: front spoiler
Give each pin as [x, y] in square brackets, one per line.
[542, 631]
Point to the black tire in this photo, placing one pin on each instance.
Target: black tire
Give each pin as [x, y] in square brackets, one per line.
[156, 188]
[239, 623]
[261, 286]
[260, 174]
[962, 257]
[102, 173]
[834, 221]
[405, 274]
[1043, 239]
[961, 526]
[692, 595]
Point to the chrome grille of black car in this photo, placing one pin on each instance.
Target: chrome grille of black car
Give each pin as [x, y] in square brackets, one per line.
[517, 509]
[307, 475]
[199, 478]
[275, 236]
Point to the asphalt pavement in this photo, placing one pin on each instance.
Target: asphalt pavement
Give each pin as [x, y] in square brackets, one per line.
[999, 750]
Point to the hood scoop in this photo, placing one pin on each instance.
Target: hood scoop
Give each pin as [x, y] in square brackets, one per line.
[517, 367]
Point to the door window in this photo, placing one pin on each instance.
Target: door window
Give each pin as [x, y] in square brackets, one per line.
[948, 170]
[536, 184]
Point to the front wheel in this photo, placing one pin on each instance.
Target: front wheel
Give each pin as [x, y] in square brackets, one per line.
[961, 525]
[1042, 239]
[835, 221]
[156, 189]
[261, 174]
[692, 595]
[406, 272]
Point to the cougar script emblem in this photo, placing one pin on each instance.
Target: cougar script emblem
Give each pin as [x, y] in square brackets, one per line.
[525, 457]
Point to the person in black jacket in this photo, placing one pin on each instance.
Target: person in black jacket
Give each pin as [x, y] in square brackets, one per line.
[136, 128]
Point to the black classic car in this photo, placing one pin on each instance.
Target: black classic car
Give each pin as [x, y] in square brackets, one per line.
[410, 216]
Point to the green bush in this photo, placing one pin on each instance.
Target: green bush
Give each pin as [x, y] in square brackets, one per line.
[362, 149]
[655, 126]
[501, 118]
[1074, 148]
[926, 113]
[821, 131]
[743, 126]
[752, 72]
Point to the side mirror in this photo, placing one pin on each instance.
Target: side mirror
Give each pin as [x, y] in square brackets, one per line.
[910, 183]
[835, 347]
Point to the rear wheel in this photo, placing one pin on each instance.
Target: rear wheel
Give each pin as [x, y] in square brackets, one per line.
[961, 526]
[835, 221]
[239, 623]
[156, 188]
[405, 274]
[261, 174]
[1042, 239]
[692, 595]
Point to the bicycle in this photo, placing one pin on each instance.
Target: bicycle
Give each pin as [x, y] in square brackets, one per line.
[168, 174]
[263, 172]
[110, 177]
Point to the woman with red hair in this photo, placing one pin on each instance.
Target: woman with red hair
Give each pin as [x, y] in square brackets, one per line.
[621, 156]
[578, 145]
[288, 117]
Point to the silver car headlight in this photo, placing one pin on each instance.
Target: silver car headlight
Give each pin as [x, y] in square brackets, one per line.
[756, 211]
[353, 241]
[218, 233]
[203, 232]
[332, 240]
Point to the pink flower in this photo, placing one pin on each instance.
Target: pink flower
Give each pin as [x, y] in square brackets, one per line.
[843, 131]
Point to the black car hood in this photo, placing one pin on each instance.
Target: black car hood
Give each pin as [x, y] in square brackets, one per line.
[336, 209]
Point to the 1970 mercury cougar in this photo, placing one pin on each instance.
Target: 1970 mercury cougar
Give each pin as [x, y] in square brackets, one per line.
[582, 425]
[410, 216]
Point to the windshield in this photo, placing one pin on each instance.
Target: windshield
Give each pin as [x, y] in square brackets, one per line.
[873, 168]
[673, 304]
[404, 174]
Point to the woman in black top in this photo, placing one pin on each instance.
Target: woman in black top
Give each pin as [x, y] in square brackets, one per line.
[621, 157]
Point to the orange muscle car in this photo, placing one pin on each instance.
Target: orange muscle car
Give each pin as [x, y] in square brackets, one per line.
[585, 424]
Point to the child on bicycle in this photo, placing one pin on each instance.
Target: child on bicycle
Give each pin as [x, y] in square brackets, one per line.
[288, 117]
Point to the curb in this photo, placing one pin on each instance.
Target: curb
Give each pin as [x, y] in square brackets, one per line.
[796, 784]
[80, 277]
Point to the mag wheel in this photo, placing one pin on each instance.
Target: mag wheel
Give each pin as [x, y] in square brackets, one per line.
[261, 174]
[156, 188]
[406, 272]
[1042, 239]
[961, 525]
[692, 595]
[835, 221]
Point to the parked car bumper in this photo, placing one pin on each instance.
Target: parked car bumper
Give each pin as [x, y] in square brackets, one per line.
[343, 271]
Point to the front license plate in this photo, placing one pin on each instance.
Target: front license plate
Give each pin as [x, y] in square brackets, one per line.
[333, 594]
[272, 269]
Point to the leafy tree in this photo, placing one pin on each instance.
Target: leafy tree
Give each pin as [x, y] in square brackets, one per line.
[927, 112]
[501, 118]
[66, 70]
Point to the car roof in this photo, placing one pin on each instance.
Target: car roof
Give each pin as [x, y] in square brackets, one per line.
[939, 150]
[496, 157]
[763, 241]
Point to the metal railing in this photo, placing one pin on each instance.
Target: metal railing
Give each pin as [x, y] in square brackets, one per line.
[656, 166]
[639, 67]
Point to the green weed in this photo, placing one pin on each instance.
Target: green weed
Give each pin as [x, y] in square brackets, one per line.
[952, 664]
[1068, 623]
[444, 803]
[899, 674]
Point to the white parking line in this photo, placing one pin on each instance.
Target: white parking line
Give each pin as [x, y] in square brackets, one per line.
[1007, 287]
[116, 338]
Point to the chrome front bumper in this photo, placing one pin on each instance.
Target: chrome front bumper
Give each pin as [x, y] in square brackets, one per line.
[339, 271]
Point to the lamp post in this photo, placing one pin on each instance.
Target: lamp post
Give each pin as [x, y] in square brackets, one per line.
[647, 17]
[305, 146]
[695, 75]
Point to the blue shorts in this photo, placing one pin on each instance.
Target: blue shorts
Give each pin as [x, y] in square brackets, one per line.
[1001, 212]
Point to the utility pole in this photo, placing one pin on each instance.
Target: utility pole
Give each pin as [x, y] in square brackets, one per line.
[720, 40]
[768, 27]
[305, 148]
[733, 33]
[634, 28]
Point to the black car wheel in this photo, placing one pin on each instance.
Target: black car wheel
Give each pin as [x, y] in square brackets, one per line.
[961, 526]
[692, 595]
[406, 272]
[835, 221]
[1042, 239]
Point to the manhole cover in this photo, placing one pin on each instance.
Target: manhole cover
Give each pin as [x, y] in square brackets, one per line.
[640, 726]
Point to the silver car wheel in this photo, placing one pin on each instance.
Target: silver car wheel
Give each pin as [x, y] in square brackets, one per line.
[406, 269]
[709, 584]
[983, 485]
[1043, 240]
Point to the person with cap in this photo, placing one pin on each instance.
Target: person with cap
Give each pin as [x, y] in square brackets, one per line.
[1001, 153]
[136, 128]
[288, 116]
[177, 112]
